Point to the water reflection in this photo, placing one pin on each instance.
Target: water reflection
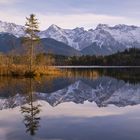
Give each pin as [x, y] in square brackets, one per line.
[68, 99]
[77, 86]
[31, 112]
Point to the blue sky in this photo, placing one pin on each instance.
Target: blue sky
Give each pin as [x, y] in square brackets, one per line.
[72, 13]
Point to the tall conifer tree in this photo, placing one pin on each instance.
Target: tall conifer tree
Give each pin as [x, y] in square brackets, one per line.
[32, 28]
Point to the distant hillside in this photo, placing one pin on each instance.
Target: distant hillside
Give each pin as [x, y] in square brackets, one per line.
[59, 48]
[10, 43]
[94, 49]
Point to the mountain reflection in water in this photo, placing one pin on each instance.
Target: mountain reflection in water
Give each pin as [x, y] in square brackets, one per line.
[77, 87]
[103, 87]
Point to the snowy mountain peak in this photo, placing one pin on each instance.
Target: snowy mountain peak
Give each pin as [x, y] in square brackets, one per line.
[12, 28]
[79, 29]
[125, 27]
[102, 26]
[54, 27]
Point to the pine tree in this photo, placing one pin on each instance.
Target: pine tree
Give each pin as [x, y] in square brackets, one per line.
[32, 39]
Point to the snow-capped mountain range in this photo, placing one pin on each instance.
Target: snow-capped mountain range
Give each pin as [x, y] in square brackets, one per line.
[103, 91]
[102, 40]
[11, 28]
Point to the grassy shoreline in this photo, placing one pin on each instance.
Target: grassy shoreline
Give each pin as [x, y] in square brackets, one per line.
[24, 71]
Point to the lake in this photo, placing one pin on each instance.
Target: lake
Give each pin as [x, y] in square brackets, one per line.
[83, 104]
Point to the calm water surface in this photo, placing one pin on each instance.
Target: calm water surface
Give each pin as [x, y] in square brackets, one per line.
[84, 104]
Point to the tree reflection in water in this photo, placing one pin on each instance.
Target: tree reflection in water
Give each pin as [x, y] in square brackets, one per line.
[31, 112]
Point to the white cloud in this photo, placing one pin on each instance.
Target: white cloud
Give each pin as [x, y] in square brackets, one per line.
[84, 20]
[68, 21]
[5, 2]
[12, 16]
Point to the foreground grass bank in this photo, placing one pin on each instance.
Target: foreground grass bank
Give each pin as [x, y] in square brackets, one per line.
[23, 70]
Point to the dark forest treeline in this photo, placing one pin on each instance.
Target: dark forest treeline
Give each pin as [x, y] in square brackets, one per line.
[129, 57]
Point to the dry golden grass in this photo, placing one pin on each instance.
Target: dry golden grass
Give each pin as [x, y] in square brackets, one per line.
[23, 70]
[37, 71]
[44, 70]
